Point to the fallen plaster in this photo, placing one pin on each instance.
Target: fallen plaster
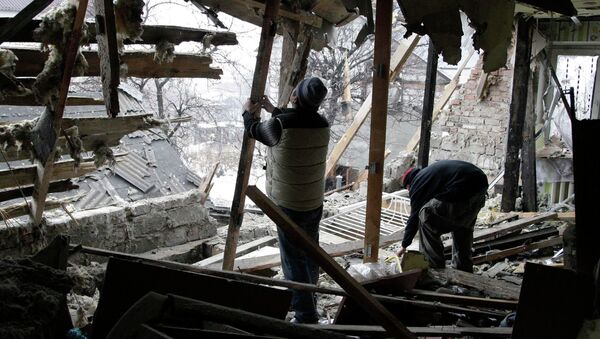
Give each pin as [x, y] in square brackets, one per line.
[440, 19]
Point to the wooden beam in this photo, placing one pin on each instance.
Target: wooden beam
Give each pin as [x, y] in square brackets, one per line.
[443, 100]
[398, 60]
[371, 331]
[21, 209]
[297, 71]
[244, 249]
[29, 100]
[381, 84]
[518, 106]
[46, 132]
[27, 175]
[206, 184]
[10, 27]
[151, 35]
[261, 70]
[14, 193]
[499, 304]
[316, 253]
[428, 101]
[364, 175]
[490, 287]
[516, 250]
[108, 53]
[528, 156]
[290, 31]
[140, 64]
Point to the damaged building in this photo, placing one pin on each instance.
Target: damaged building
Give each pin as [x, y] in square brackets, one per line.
[108, 234]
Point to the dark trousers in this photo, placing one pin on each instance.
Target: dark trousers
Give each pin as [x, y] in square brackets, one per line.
[439, 217]
[297, 266]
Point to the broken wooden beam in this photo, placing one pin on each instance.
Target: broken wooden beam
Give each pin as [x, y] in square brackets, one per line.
[12, 26]
[428, 102]
[499, 304]
[108, 53]
[516, 250]
[261, 70]
[491, 287]
[151, 35]
[139, 64]
[398, 60]
[316, 253]
[45, 133]
[381, 85]
[241, 250]
[26, 175]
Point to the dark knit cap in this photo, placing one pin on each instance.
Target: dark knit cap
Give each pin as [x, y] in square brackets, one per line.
[310, 93]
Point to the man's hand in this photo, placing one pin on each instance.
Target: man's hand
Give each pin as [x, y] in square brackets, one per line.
[251, 107]
[266, 104]
[401, 251]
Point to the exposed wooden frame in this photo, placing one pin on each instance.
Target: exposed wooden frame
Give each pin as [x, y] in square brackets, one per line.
[381, 84]
[261, 70]
[11, 27]
[27, 175]
[48, 133]
[140, 64]
[362, 176]
[518, 108]
[398, 60]
[108, 53]
[377, 311]
[428, 101]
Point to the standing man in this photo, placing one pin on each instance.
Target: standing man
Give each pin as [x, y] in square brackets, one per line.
[298, 138]
[444, 197]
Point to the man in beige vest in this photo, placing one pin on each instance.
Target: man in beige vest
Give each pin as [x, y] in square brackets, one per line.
[297, 138]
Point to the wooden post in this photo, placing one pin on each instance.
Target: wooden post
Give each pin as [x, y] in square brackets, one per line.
[528, 156]
[290, 32]
[49, 125]
[362, 297]
[18, 22]
[398, 60]
[518, 105]
[381, 83]
[106, 36]
[297, 71]
[261, 71]
[428, 101]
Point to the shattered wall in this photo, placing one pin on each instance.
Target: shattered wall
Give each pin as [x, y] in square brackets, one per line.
[473, 129]
[137, 227]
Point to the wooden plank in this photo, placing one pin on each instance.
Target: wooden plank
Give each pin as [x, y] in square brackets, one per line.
[151, 35]
[297, 71]
[398, 60]
[504, 229]
[371, 331]
[206, 184]
[528, 155]
[381, 84]
[491, 287]
[106, 38]
[261, 70]
[516, 250]
[518, 104]
[316, 253]
[21, 209]
[443, 100]
[290, 32]
[29, 100]
[26, 175]
[428, 101]
[562, 216]
[140, 64]
[241, 250]
[10, 27]
[463, 300]
[58, 186]
[49, 125]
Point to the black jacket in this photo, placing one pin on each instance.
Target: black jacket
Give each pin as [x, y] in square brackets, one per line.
[446, 180]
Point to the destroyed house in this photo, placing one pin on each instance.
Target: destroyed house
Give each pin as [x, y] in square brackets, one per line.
[525, 112]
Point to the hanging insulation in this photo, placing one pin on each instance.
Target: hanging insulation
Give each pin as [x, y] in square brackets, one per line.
[103, 154]
[164, 52]
[128, 20]
[9, 84]
[75, 144]
[17, 135]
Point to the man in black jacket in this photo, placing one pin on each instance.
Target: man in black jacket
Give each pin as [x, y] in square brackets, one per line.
[444, 197]
[298, 138]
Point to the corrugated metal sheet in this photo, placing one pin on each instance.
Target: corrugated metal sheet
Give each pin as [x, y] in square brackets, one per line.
[193, 178]
[134, 169]
[176, 186]
[97, 196]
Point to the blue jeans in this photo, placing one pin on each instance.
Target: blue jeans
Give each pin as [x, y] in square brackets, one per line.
[297, 266]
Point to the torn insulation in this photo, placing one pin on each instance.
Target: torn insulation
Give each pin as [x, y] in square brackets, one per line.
[104, 154]
[47, 83]
[128, 20]
[150, 122]
[9, 84]
[75, 144]
[164, 52]
[17, 136]
[56, 26]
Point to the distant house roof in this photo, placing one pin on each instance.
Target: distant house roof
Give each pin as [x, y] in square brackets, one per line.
[151, 166]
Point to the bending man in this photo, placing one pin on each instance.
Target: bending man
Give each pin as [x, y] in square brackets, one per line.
[444, 198]
[298, 139]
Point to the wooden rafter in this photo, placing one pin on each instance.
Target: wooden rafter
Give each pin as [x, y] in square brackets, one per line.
[428, 101]
[11, 27]
[29, 100]
[261, 70]
[296, 72]
[48, 128]
[152, 34]
[26, 175]
[108, 53]
[381, 83]
[398, 60]
[140, 64]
